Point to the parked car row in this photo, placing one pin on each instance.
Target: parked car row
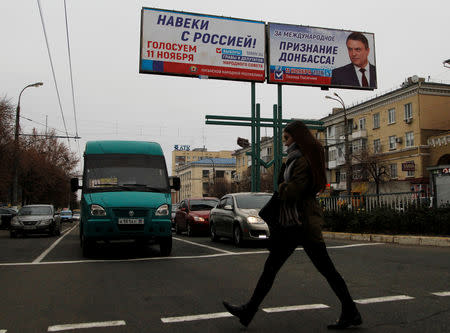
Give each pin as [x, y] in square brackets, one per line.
[234, 216]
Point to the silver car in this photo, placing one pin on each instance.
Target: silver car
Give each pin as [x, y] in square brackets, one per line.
[36, 219]
[236, 217]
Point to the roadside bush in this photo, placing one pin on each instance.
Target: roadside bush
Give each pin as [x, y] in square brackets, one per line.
[413, 221]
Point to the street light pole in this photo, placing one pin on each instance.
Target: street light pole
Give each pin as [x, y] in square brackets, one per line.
[16, 145]
[348, 163]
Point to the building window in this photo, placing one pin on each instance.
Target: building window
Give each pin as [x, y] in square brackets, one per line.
[220, 174]
[409, 138]
[391, 116]
[362, 124]
[393, 169]
[376, 120]
[205, 173]
[338, 177]
[205, 187]
[377, 146]
[332, 155]
[392, 142]
[410, 173]
[408, 111]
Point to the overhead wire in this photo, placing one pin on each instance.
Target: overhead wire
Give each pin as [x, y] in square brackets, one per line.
[53, 69]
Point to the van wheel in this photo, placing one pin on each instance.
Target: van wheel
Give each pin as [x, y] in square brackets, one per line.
[165, 246]
[87, 246]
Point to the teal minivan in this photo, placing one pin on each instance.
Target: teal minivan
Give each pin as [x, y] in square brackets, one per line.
[126, 194]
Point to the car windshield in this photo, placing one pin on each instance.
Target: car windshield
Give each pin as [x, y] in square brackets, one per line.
[203, 204]
[125, 172]
[252, 201]
[24, 211]
[66, 212]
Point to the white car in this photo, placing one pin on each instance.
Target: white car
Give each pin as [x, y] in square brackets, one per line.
[36, 219]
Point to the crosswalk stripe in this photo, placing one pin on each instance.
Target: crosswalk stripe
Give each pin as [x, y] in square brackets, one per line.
[442, 293]
[57, 328]
[383, 299]
[196, 317]
[296, 308]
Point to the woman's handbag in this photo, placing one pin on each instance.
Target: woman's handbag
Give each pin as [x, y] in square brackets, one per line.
[270, 213]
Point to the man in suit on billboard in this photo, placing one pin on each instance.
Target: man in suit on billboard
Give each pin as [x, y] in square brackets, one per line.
[360, 73]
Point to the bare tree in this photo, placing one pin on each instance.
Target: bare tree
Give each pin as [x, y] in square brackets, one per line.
[371, 167]
[6, 148]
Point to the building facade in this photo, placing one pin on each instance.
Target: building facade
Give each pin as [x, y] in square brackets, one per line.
[182, 155]
[393, 131]
[199, 177]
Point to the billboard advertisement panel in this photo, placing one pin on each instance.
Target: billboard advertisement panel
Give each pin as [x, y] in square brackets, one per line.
[321, 57]
[188, 44]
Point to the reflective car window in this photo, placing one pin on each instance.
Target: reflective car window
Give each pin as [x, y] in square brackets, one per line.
[252, 201]
[35, 211]
[203, 204]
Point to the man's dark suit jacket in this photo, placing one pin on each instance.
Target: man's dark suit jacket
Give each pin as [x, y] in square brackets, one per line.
[346, 76]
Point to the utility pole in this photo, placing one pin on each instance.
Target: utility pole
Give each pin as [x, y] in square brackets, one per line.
[16, 146]
[348, 162]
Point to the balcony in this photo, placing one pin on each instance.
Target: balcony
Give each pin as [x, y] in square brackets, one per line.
[359, 134]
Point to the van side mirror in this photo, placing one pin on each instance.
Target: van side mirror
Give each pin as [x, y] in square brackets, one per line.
[74, 185]
[175, 183]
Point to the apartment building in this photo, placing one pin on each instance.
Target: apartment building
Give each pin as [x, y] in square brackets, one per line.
[198, 177]
[394, 130]
[182, 154]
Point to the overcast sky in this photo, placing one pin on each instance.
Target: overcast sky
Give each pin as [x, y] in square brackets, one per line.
[114, 101]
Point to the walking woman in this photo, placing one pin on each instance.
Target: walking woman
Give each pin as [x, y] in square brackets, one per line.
[300, 179]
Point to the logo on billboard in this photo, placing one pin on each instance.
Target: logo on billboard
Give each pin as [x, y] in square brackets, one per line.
[278, 74]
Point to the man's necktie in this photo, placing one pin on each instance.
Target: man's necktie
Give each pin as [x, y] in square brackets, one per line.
[364, 79]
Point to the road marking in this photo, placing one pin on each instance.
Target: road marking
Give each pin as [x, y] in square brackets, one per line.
[383, 299]
[226, 253]
[296, 308]
[442, 293]
[204, 316]
[66, 327]
[44, 254]
[202, 245]
[3, 331]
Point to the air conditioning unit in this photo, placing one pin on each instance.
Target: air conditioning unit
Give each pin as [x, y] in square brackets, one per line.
[398, 140]
[408, 121]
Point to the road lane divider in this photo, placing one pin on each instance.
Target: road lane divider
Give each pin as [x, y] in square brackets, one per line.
[442, 293]
[204, 316]
[44, 254]
[296, 308]
[203, 245]
[66, 327]
[384, 299]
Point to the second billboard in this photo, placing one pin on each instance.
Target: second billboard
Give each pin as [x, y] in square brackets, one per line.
[321, 57]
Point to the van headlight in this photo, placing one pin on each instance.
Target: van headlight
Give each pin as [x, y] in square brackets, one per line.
[97, 210]
[162, 210]
[252, 219]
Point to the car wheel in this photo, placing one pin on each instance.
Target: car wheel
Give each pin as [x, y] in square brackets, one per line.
[212, 229]
[237, 236]
[190, 231]
[177, 230]
[165, 246]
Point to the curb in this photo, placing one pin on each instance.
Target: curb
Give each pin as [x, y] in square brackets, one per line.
[397, 239]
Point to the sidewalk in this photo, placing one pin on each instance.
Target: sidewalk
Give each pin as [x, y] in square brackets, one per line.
[394, 239]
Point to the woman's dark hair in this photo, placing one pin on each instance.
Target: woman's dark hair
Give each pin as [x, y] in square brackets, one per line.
[312, 150]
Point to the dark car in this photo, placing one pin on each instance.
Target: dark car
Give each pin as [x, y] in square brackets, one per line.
[236, 217]
[6, 215]
[192, 215]
[36, 219]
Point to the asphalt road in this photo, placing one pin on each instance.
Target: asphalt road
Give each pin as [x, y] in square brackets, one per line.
[47, 286]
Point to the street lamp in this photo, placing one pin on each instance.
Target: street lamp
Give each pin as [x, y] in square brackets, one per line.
[16, 144]
[446, 63]
[348, 164]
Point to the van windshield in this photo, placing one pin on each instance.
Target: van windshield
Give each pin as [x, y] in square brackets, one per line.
[125, 172]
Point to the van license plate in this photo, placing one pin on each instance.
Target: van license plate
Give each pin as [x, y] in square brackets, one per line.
[131, 221]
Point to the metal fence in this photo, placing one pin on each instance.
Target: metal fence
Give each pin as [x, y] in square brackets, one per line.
[367, 202]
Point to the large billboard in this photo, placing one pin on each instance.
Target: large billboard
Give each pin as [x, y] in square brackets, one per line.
[321, 57]
[188, 44]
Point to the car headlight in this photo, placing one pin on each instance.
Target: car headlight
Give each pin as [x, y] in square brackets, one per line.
[253, 219]
[45, 222]
[162, 210]
[15, 221]
[199, 219]
[97, 210]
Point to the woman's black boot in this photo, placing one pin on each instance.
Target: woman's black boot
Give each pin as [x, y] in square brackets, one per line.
[350, 316]
[245, 312]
